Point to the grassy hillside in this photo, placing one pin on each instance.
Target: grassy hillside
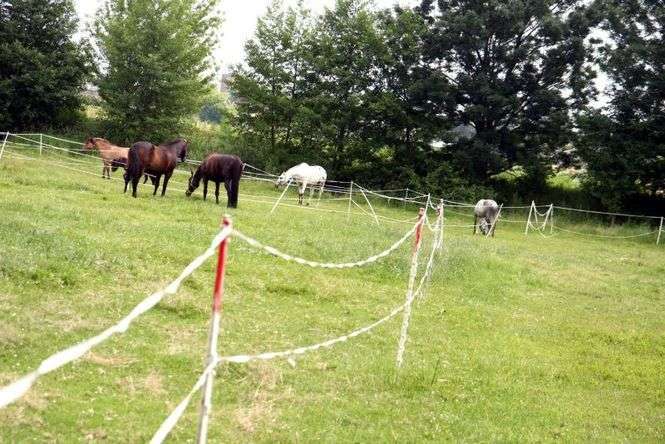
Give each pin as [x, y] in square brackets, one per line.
[519, 338]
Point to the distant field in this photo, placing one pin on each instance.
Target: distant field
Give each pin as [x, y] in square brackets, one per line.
[520, 338]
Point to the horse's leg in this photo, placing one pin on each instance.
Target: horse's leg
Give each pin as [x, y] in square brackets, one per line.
[158, 177]
[135, 183]
[104, 169]
[167, 176]
[217, 192]
[145, 179]
[321, 186]
[205, 188]
[301, 192]
[475, 223]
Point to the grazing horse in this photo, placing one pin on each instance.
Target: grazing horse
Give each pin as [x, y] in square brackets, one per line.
[486, 210]
[218, 168]
[112, 156]
[144, 157]
[304, 174]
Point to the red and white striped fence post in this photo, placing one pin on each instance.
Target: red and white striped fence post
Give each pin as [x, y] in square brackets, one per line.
[409, 292]
[218, 295]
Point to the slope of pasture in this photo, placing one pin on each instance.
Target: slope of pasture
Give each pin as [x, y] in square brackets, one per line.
[519, 338]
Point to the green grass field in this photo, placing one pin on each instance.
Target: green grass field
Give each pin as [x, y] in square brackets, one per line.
[520, 338]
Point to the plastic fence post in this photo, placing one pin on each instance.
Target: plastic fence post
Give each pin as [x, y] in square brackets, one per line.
[406, 196]
[496, 219]
[348, 210]
[376, 218]
[218, 295]
[4, 142]
[441, 217]
[281, 196]
[551, 218]
[409, 292]
[526, 229]
[660, 230]
[41, 143]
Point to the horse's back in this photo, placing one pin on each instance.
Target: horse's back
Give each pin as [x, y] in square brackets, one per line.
[222, 166]
[485, 207]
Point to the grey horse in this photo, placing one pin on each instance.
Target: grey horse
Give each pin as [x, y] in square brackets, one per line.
[486, 210]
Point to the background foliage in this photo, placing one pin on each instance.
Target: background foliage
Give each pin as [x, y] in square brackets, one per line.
[461, 98]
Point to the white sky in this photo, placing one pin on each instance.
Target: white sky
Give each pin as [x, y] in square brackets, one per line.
[239, 21]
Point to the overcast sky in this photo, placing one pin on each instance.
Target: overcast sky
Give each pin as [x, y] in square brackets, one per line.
[239, 21]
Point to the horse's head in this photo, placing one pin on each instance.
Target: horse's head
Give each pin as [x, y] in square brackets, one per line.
[89, 143]
[485, 225]
[182, 153]
[281, 180]
[193, 183]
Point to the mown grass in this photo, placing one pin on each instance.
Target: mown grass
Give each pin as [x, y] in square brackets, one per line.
[520, 338]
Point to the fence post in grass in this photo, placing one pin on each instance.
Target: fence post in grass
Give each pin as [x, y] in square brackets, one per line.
[660, 230]
[441, 217]
[548, 213]
[406, 196]
[526, 229]
[376, 218]
[409, 292]
[493, 225]
[41, 143]
[286, 188]
[217, 296]
[4, 142]
[348, 210]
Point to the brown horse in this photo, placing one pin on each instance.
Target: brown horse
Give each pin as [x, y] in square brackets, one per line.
[112, 156]
[218, 168]
[144, 157]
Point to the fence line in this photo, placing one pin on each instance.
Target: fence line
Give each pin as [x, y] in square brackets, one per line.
[340, 190]
[289, 258]
[579, 233]
[18, 388]
[169, 423]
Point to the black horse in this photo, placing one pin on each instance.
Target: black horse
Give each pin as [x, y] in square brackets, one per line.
[218, 168]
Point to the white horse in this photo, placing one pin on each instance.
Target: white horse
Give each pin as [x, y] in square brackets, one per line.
[304, 174]
[487, 211]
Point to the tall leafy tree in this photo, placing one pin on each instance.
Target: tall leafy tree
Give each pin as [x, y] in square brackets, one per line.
[345, 65]
[271, 85]
[157, 67]
[513, 70]
[624, 147]
[42, 69]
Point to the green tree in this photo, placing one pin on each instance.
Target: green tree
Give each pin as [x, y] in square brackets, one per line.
[515, 71]
[624, 147]
[157, 66]
[271, 85]
[42, 69]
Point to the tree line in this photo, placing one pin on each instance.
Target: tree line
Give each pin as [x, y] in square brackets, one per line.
[455, 96]
[463, 98]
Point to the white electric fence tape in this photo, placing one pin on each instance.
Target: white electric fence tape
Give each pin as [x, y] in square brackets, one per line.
[18, 388]
[287, 257]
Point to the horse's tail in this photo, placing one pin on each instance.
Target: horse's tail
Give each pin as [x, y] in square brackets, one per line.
[235, 185]
[133, 163]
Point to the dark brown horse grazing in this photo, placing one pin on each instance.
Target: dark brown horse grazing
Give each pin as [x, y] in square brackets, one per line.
[144, 157]
[218, 168]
